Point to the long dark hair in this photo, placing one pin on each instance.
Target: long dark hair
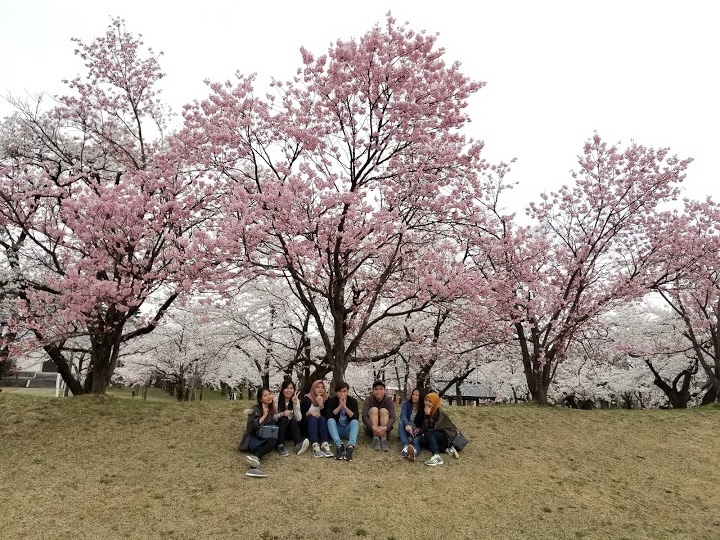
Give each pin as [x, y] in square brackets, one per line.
[260, 393]
[421, 400]
[420, 415]
[281, 397]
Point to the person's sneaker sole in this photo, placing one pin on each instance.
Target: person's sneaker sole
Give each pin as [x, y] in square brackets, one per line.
[256, 473]
[411, 453]
[304, 446]
[252, 460]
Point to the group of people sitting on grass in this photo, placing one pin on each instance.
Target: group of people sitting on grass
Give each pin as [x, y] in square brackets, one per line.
[315, 419]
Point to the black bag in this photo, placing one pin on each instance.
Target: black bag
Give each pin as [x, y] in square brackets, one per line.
[459, 442]
[268, 432]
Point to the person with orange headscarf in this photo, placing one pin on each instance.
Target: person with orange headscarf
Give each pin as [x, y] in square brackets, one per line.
[438, 431]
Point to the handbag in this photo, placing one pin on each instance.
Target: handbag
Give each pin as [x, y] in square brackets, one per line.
[268, 432]
[459, 442]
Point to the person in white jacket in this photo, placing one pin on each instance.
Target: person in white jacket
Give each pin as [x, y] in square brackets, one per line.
[287, 417]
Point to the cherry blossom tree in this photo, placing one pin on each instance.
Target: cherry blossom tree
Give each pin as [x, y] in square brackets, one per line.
[586, 252]
[688, 246]
[344, 178]
[96, 214]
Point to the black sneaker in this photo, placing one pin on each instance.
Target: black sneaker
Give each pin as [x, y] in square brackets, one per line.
[340, 452]
[349, 452]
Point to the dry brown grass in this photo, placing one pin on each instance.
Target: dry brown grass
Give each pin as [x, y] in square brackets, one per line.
[90, 468]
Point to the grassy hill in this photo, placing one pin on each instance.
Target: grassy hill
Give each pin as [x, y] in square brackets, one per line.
[91, 468]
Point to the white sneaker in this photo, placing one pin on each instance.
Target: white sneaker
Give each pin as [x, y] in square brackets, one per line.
[404, 452]
[452, 451]
[302, 446]
[253, 460]
[434, 461]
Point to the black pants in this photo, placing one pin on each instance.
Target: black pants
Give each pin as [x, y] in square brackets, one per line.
[289, 427]
[263, 448]
[435, 441]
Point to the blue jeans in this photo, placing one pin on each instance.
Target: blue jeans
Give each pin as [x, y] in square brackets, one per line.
[404, 438]
[316, 429]
[339, 432]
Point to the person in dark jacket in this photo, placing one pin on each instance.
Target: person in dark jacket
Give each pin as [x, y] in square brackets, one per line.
[438, 431]
[378, 416]
[412, 415]
[342, 421]
[314, 421]
[255, 440]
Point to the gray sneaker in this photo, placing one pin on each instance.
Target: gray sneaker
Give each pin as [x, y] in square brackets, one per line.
[435, 460]
[301, 447]
[316, 450]
[384, 445]
[253, 460]
[282, 450]
[452, 451]
[325, 447]
[376, 443]
[256, 473]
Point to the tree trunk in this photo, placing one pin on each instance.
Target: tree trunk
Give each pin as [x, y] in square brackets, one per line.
[422, 379]
[678, 397]
[64, 369]
[537, 374]
[104, 351]
[713, 393]
[538, 383]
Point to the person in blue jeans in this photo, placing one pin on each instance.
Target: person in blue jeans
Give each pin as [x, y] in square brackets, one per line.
[342, 421]
[412, 416]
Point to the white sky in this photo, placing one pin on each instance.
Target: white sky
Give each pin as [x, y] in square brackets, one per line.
[556, 71]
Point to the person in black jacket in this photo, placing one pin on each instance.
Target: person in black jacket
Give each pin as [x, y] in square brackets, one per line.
[255, 440]
[438, 431]
[342, 421]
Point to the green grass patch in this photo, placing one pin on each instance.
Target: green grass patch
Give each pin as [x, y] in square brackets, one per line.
[111, 468]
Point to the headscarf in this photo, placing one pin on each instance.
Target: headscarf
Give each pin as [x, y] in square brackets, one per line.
[435, 400]
[311, 396]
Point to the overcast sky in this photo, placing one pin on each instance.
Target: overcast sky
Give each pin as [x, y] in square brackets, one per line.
[556, 71]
